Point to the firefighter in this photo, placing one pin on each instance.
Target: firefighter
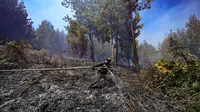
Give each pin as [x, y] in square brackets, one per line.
[102, 71]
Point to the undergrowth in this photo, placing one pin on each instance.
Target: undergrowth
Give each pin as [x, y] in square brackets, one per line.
[175, 80]
[16, 54]
[12, 55]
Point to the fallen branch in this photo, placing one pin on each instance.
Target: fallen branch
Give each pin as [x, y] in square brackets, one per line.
[129, 105]
[7, 103]
[137, 101]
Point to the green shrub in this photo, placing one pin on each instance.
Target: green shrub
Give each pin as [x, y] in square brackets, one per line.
[175, 79]
[12, 55]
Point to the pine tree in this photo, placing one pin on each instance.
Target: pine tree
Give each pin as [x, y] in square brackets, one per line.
[134, 6]
[15, 24]
[45, 35]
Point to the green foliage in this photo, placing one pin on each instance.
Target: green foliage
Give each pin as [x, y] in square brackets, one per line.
[137, 5]
[48, 38]
[45, 35]
[134, 7]
[178, 77]
[186, 40]
[38, 56]
[77, 37]
[193, 34]
[107, 20]
[110, 19]
[14, 49]
[60, 43]
[13, 55]
[15, 24]
[174, 79]
[194, 105]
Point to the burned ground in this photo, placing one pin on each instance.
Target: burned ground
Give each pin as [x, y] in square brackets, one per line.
[67, 91]
[57, 91]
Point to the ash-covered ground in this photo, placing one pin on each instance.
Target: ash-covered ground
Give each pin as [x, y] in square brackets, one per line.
[58, 91]
[67, 91]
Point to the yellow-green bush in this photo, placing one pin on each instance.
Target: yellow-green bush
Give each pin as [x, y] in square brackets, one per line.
[175, 79]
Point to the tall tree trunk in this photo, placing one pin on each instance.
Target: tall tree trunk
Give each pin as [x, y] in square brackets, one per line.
[117, 41]
[134, 44]
[112, 42]
[129, 54]
[81, 55]
[91, 48]
[112, 51]
[129, 60]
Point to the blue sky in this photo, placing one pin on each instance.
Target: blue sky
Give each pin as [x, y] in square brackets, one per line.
[163, 16]
[51, 10]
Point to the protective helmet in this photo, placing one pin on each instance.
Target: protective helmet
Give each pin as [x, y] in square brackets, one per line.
[108, 60]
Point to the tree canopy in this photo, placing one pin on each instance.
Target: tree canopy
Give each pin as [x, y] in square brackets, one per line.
[76, 37]
[15, 24]
[114, 21]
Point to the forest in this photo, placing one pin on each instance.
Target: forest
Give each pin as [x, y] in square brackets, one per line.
[108, 28]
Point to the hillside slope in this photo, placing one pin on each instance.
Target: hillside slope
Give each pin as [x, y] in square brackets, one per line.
[67, 91]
